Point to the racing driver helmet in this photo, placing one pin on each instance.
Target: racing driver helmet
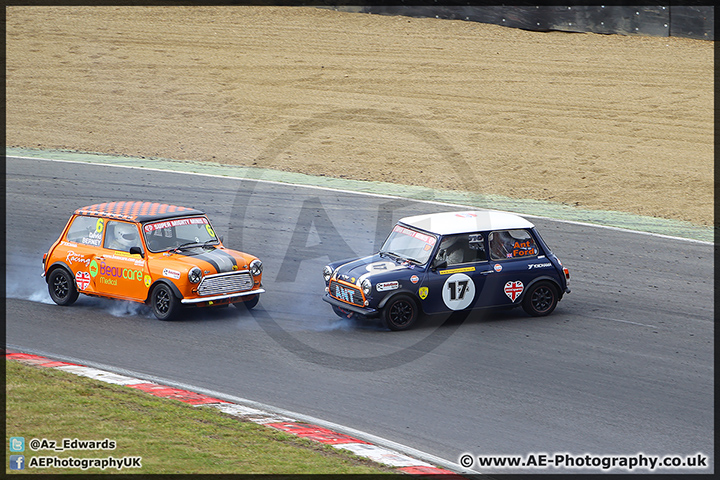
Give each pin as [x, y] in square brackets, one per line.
[126, 235]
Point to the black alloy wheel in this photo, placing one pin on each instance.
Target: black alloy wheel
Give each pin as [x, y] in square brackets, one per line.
[164, 303]
[540, 299]
[400, 313]
[61, 286]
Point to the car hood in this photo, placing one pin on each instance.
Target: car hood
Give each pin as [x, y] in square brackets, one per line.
[375, 267]
[210, 259]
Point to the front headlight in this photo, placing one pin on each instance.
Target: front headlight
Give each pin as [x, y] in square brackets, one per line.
[194, 275]
[255, 268]
[327, 273]
[366, 286]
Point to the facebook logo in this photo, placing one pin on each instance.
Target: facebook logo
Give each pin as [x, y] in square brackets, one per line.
[17, 444]
[17, 462]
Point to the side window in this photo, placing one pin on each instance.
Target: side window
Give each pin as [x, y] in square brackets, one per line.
[121, 236]
[86, 230]
[465, 248]
[506, 244]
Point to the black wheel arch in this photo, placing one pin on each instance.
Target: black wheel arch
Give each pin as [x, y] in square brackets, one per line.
[55, 266]
[400, 291]
[546, 278]
[172, 286]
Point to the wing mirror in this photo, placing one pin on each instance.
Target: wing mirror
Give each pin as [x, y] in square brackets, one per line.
[137, 251]
[438, 263]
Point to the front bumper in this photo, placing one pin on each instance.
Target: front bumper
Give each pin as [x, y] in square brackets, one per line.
[366, 311]
[216, 298]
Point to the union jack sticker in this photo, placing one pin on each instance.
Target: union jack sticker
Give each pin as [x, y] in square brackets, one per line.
[514, 289]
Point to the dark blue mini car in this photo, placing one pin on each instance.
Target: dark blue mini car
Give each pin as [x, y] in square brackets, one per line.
[446, 262]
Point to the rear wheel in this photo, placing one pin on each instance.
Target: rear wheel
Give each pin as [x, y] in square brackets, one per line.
[61, 286]
[165, 305]
[400, 313]
[540, 299]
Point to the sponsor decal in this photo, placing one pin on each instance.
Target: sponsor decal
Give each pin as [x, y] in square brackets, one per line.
[414, 279]
[497, 267]
[465, 215]
[539, 265]
[458, 291]
[119, 272]
[430, 240]
[345, 294]
[423, 292]
[475, 242]
[93, 268]
[108, 281]
[148, 281]
[514, 289]
[68, 244]
[73, 257]
[385, 286]
[126, 257]
[456, 270]
[167, 272]
[82, 279]
[151, 227]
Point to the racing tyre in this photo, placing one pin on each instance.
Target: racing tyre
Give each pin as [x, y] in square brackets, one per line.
[165, 305]
[540, 299]
[400, 313]
[249, 304]
[61, 286]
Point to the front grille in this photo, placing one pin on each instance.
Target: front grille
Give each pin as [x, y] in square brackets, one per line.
[225, 283]
[346, 293]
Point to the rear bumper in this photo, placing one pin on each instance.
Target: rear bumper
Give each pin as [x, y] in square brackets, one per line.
[215, 298]
[368, 312]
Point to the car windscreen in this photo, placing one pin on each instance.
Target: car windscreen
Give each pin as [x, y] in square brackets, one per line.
[409, 244]
[178, 233]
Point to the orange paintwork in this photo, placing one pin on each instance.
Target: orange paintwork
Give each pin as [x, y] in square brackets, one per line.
[111, 272]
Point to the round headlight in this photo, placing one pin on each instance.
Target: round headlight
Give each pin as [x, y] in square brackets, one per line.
[255, 268]
[327, 273]
[194, 275]
[366, 286]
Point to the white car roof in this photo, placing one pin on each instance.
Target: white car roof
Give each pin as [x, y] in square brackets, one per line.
[449, 223]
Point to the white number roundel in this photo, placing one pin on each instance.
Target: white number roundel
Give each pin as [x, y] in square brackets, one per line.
[458, 291]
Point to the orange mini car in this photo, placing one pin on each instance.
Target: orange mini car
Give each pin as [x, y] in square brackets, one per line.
[162, 255]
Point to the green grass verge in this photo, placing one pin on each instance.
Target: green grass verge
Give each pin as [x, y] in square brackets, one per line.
[170, 436]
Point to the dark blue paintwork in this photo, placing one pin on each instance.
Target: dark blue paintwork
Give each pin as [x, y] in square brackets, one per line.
[439, 288]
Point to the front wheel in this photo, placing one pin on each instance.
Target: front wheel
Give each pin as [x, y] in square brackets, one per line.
[400, 313]
[61, 286]
[165, 305]
[249, 304]
[540, 299]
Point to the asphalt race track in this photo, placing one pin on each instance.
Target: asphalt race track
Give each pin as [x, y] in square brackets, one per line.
[624, 365]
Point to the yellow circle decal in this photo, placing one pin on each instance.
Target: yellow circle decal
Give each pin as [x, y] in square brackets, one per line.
[148, 280]
[100, 225]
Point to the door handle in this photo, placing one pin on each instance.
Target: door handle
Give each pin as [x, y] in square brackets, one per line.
[486, 272]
